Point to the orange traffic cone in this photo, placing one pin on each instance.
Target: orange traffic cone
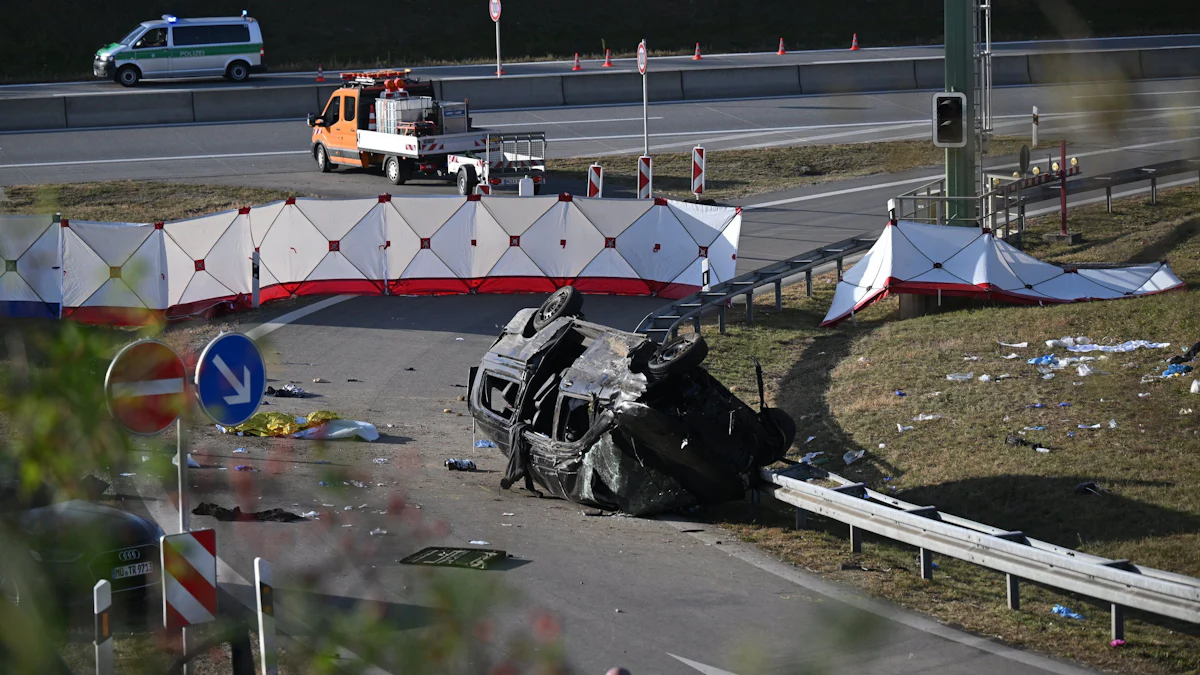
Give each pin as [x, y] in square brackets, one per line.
[608, 58]
[320, 73]
[854, 43]
[781, 51]
[577, 66]
[371, 119]
[697, 57]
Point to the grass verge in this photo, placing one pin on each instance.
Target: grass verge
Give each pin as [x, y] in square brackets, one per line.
[840, 385]
[134, 201]
[734, 174]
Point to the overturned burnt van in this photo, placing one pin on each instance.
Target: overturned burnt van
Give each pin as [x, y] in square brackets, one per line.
[609, 419]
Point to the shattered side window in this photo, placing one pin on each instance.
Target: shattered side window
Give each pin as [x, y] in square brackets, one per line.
[500, 396]
[574, 419]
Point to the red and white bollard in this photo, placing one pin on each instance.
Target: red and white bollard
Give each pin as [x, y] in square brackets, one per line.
[320, 73]
[697, 56]
[595, 183]
[697, 171]
[645, 177]
[576, 66]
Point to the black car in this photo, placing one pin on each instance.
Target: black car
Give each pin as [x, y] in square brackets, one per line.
[611, 420]
[56, 552]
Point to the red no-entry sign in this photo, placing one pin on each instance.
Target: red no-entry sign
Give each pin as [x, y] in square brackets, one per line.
[494, 9]
[145, 387]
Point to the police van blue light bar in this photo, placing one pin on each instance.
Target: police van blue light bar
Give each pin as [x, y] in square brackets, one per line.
[170, 18]
[244, 13]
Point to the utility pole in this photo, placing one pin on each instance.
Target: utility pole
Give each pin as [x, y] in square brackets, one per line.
[960, 77]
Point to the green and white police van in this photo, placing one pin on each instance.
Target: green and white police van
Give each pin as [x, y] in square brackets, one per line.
[174, 47]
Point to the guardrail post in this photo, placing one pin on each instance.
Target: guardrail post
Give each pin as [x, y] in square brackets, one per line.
[696, 323]
[750, 307]
[779, 295]
[808, 283]
[1014, 591]
[1118, 622]
[855, 540]
[839, 269]
[101, 602]
[925, 556]
[1153, 197]
[801, 519]
[1108, 198]
[721, 314]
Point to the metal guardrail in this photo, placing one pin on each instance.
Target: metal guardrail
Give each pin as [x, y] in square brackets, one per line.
[1118, 582]
[664, 322]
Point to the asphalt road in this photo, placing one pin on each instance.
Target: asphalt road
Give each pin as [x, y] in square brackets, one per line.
[627, 591]
[619, 65]
[1159, 121]
[679, 592]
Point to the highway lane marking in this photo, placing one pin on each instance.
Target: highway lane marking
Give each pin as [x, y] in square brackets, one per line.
[706, 669]
[276, 324]
[930, 177]
[542, 123]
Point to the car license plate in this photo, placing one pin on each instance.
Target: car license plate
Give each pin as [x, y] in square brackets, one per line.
[134, 570]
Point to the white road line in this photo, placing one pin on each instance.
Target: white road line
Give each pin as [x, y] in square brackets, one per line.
[750, 130]
[706, 669]
[930, 177]
[147, 388]
[127, 160]
[271, 326]
[533, 124]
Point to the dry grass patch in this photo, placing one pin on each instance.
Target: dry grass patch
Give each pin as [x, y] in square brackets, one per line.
[134, 201]
[733, 174]
[841, 387]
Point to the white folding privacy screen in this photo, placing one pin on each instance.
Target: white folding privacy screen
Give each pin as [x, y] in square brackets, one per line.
[123, 273]
[966, 261]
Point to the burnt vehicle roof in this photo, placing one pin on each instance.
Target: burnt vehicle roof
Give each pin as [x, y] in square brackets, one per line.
[603, 368]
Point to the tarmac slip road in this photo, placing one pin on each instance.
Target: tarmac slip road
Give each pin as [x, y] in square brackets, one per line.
[626, 591]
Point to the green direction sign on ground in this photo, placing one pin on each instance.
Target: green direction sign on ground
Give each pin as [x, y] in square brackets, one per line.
[474, 558]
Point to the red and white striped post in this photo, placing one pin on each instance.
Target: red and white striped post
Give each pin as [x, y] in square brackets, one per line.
[697, 171]
[189, 574]
[595, 184]
[645, 177]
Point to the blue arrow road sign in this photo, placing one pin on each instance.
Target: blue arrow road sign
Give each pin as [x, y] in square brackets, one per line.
[231, 379]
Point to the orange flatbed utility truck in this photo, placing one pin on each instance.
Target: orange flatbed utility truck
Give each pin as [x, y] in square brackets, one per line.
[389, 120]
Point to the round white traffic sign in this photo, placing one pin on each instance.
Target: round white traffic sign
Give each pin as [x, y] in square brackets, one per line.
[145, 387]
[642, 58]
[494, 9]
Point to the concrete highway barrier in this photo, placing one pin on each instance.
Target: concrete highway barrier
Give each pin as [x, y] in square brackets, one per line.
[524, 91]
[744, 81]
[600, 87]
[22, 114]
[1085, 67]
[1176, 62]
[229, 105]
[857, 76]
[160, 107]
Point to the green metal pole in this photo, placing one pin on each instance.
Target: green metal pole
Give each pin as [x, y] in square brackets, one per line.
[960, 77]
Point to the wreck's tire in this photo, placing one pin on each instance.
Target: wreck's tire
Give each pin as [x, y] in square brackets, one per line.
[566, 301]
[678, 355]
[782, 424]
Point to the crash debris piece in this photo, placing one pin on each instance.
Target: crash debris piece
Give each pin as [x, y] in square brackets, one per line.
[236, 515]
[469, 558]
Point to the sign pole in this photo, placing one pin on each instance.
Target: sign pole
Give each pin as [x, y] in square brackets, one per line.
[499, 71]
[644, 63]
[494, 12]
[181, 453]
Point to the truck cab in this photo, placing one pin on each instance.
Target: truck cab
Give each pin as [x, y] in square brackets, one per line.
[350, 109]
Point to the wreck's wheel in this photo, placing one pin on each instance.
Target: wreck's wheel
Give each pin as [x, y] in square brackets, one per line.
[678, 355]
[566, 301]
[785, 426]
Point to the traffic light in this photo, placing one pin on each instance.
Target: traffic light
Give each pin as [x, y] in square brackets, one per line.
[949, 119]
